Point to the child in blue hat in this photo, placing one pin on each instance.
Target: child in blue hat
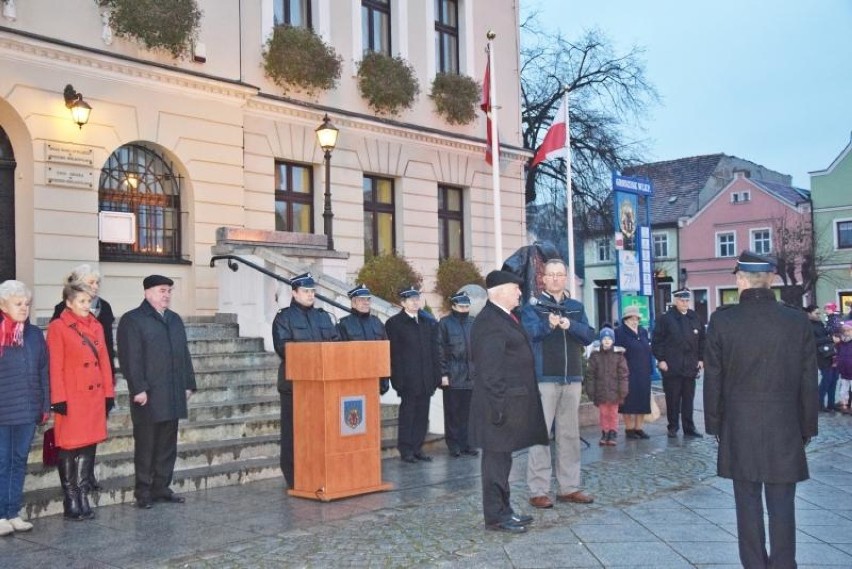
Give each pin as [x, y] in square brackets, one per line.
[606, 383]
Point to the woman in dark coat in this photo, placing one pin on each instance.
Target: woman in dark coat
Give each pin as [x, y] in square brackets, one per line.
[637, 345]
[82, 395]
[24, 398]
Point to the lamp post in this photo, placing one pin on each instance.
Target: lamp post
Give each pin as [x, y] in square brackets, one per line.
[327, 138]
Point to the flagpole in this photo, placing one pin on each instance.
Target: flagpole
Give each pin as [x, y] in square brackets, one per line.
[572, 277]
[495, 155]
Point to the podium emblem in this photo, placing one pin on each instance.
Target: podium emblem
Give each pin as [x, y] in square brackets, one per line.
[352, 416]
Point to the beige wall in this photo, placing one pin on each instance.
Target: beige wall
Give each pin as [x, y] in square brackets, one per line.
[223, 136]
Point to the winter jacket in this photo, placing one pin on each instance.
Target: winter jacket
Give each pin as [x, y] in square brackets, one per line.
[505, 407]
[606, 375]
[298, 323]
[760, 389]
[154, 358]
[363, 327]
[824, 344]
[79, 378]
[454, 347]
[558, 353]
[833, 324]
[107, 319]
[679, 341]
[844, 358]
[24, 385]
[637, 352]
[415, 362]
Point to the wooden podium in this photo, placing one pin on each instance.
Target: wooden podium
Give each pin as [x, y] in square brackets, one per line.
[337, 417]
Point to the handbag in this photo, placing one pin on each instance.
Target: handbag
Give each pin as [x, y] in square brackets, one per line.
[826, 350]
[49, 450]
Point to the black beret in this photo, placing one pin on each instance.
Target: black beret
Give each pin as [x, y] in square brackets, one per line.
[751, 262]
[497, 278]
[156, 280]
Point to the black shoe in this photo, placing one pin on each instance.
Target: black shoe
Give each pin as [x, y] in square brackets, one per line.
[171, 499]
[693, 434]
[640, 434]
[631, 434]
[507, 526]
[470, 452]
[423, 457]
[522, 519]
[144, 503]
[409, 459]
[672, 434]
[455, 453]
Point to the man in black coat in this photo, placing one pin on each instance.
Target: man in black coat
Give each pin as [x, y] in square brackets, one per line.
[415, 372]
[361, 325]
[505, 410]
[678, 344]
[299, 322]
[154, 358]
[456, 381]
[761, 402]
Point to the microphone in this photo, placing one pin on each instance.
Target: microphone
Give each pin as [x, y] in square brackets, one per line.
[552, 306]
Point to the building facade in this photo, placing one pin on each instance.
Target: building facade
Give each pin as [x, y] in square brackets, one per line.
[832, 199]
[193, 145]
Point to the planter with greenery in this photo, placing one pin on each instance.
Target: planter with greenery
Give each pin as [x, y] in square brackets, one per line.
[386, 275]
[170, 25]
[387, 83]
[453, 274]
[455, 97]
[297, 58]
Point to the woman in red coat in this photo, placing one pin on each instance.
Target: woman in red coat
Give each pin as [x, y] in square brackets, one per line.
[82, 394]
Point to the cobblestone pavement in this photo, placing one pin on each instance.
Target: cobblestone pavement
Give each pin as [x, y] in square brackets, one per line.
[658, 504]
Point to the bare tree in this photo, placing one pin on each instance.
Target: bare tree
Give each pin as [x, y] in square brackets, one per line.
[799, 255]
[608, 95]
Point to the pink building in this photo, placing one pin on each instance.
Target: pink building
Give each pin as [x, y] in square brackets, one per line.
[766, 217]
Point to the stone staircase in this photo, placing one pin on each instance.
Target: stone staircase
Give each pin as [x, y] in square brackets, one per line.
[231, 435]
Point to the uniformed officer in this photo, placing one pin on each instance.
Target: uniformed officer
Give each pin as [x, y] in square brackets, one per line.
[299, 322]
[456, 379]
[761, 402]
[361, 325]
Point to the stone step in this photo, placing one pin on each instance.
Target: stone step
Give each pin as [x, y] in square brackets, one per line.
[48, 501]
[246, 408]
[211, 331]
[115, 465]
[236, 389]
[238, 360]
[121, 440]
[207, 346]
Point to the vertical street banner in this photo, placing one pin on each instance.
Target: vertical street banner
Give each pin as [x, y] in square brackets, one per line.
[633, 243]
[629, 276]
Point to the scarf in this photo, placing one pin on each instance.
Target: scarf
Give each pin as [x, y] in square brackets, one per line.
[11, 333]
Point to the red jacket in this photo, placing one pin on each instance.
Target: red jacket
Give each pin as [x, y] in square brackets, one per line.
[80, 379]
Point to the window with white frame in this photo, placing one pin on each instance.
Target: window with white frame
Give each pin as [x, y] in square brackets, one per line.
[761, 241]
[740, 197]
[376, 26]
[296, 13]
[604, 248]
[843, 233]
[661, 245]
[726, 244]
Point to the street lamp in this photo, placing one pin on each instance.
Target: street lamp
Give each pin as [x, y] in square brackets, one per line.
[79, 108]
[327, 137]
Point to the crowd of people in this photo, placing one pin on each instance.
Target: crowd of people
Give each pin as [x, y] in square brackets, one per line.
[511, 378]
[71, 374]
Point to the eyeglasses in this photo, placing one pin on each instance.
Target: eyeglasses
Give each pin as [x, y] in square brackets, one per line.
[555, 275]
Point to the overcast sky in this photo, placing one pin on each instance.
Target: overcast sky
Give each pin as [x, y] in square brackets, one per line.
[765, 80]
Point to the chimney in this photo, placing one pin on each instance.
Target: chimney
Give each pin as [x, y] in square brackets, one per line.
[741, 173]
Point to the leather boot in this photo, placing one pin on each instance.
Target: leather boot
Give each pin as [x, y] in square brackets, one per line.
[85, 459]
[94, 486]
[70, 490]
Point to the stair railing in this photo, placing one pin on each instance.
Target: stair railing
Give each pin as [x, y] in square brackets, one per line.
[234, 267]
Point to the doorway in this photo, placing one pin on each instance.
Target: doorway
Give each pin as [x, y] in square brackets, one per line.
[7, 208]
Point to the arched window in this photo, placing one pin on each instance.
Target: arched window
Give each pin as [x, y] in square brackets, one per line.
[137, 179]
[7, 208]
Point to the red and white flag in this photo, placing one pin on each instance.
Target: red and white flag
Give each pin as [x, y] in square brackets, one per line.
[555, 143]
[486, 107]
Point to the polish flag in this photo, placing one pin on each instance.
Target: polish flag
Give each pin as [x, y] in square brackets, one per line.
[555, 143]
[486, 107]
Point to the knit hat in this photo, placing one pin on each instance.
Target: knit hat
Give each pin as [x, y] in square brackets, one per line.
[831, 306]
[607, 333]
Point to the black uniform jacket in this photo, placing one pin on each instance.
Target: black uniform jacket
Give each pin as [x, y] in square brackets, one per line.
[154, 358]
[505, 408]
[298, 323]
[454, 344]
[415, 362]
[679, 341]
[760, 388]
[361, 327]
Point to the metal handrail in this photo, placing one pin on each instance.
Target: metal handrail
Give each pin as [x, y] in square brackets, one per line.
[234, 267]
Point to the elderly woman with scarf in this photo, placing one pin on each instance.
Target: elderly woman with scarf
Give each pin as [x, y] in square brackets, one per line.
[82, 395]
[25, 398]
